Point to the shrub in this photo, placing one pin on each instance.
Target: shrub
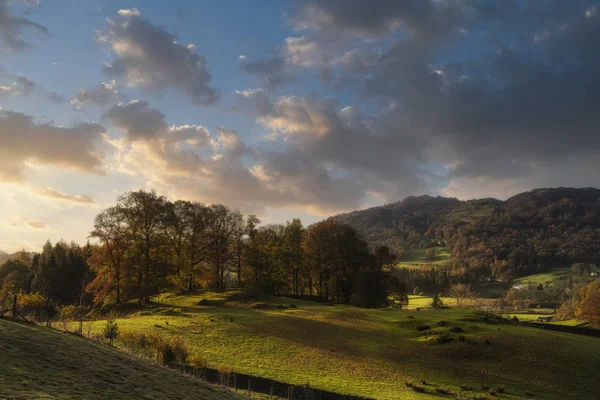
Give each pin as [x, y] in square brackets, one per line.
[225, 374]
[259, 306]
[501, 389]
[456, 329]
[437, 302]
[466, 387]
[424, 382]
[111, 330]
[198, 364]
[442, 323]
[180, 349]
[422, 328]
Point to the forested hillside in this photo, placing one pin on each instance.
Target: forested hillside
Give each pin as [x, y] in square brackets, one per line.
[487, 237]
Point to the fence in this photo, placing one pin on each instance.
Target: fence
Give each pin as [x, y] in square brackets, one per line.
[275, 389]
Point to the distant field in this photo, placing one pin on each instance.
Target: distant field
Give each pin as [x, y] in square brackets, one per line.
[536, 279]
[417, 257]
[374, 352]
[40, 363]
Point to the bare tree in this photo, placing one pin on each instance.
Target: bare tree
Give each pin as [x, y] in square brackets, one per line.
[462, 293]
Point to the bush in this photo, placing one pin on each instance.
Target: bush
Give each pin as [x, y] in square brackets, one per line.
[501, 389]
[111, 330]
[466, 387]
[198, 364]
[415, 387]
[456, 329]
[442, 323]
[422, 328]
[180, 349]
[259, 306]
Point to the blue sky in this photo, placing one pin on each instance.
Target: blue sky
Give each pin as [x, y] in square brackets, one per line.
[300, 108]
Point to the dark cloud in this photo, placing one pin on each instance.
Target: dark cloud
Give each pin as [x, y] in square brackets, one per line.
[100, 95]
[273, 71]
[477, 90]
[22, 141]
[151, 58]
[422, 18]
[13, 28]
[137, 120]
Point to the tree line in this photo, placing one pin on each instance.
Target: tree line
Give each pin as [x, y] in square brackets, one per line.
[146, 244]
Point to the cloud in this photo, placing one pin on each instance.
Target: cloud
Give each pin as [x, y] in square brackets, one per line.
[57, 194]
[100, 95]
[35, 225]
[12, 29]
[23, 141]
[273, 70]
[149, 57]
[23, 86]
[422, 18]
[137, 120]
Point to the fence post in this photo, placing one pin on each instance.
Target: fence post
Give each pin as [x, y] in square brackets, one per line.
[14, 307]
[235, 381]
[249, 390]
[271, 394]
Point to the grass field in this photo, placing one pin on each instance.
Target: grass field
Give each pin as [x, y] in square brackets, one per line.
[416, 257]
[41, 363]
[374, 352]
[550, 276]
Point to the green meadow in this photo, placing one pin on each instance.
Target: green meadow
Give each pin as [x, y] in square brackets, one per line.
[550, 276]
[416, 257]
[374, 352]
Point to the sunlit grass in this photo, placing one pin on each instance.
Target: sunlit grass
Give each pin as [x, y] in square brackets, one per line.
[374, 352]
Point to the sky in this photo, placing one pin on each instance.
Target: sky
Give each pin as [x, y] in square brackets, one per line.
[300, 108]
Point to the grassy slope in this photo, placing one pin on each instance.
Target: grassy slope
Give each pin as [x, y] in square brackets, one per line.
[40, 363]
[550, 276]
[417, 257]
[373, 352]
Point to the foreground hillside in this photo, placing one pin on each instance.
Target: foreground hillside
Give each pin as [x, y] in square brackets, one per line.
[374, 352]
[40, 363]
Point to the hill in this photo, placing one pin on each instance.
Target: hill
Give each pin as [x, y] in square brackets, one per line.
[527, 233]
[373, 352]
[38, 363]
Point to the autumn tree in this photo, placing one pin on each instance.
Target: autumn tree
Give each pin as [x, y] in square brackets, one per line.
[588, 303]
[462, 293]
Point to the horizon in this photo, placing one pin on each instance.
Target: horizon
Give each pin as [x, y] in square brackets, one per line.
[304, 108]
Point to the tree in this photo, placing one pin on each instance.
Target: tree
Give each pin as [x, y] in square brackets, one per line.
[108, 260]
[222, 237]
[461, 293]
[588, 304]
[145, 214]
[294, 236]
[398, 292]
[111, 330]
[430, 253]
[437, 302]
